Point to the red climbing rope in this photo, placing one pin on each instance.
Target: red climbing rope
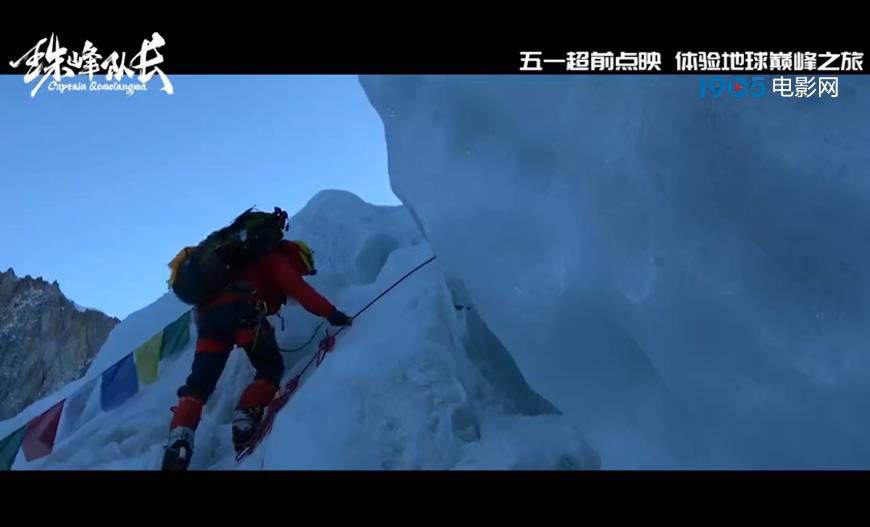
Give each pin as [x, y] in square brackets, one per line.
[327, 344]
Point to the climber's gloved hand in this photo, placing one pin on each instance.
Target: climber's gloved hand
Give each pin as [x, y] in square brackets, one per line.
[337, 318]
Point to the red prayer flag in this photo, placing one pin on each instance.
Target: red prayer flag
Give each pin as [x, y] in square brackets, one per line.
[40, 432]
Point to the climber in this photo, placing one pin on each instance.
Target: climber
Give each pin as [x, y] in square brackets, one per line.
[237, 317]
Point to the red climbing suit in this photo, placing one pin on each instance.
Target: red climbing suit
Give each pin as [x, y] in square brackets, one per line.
[273, 279]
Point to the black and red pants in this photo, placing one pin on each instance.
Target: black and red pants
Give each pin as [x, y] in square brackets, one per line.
[220, 329]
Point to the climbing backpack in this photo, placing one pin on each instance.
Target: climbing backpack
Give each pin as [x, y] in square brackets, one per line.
[200, 273]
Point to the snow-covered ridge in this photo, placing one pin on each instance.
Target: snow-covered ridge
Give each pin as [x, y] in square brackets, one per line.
[417, 382]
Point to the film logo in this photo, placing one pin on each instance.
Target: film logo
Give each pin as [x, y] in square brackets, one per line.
[48, 59]
[739, 86]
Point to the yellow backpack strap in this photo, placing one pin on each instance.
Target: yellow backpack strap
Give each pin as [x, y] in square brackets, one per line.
[176, 263]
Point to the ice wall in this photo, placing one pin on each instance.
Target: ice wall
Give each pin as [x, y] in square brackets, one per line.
[686, 278]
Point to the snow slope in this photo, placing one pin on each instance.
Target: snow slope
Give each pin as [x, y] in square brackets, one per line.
[686, 279]
[417, 382]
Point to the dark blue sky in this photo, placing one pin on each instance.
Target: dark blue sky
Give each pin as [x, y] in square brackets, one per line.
[100, 190]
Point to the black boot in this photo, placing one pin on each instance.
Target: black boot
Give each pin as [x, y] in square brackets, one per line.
[245, 426]
[179, 449]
